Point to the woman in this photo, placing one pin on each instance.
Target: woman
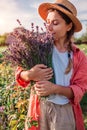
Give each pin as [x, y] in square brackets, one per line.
[61, 110]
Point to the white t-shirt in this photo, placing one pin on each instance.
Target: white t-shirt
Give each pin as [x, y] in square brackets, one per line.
[60, 62]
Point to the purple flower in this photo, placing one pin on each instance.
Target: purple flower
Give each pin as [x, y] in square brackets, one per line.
[2, 108]
[27, 48]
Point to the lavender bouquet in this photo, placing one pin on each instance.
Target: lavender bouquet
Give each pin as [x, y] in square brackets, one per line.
[27, 48]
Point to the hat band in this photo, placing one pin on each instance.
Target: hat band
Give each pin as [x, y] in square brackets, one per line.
[64, 7]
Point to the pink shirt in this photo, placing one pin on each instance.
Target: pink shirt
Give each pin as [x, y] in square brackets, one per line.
[78, 84]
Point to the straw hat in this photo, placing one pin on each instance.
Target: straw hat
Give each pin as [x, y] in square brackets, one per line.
[64, 6]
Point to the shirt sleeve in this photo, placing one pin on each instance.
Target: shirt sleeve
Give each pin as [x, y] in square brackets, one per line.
[19, 80]
[79, 81]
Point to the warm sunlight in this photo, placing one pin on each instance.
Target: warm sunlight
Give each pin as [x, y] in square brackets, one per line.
[2, 26]
[1, 22]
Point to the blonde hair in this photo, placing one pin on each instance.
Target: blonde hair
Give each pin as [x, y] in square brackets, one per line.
[70, 64]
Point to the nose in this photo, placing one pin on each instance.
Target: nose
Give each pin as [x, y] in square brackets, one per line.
[49, 26]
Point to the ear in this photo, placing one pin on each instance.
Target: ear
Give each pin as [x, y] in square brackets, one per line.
[69, 26]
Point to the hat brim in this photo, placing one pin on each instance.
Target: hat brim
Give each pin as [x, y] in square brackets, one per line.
[43, 11]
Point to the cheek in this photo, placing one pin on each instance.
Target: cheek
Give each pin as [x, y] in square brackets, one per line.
[59, 33]
[60, 30]
[57, 29]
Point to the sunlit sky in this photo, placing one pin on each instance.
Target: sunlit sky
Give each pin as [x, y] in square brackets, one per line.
[26, 11]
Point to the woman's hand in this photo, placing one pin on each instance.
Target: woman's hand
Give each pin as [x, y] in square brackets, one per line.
[44, 88]
[37, 73]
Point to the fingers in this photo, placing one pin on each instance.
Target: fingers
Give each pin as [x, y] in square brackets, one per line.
[42, 66]
[39, 83]
[48, 70]
[43, 88]
[39, 86]
[40, 91]
[48, 78]
[48, 73]
[40, 72]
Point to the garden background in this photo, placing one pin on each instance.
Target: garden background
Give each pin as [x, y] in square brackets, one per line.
[14, 99]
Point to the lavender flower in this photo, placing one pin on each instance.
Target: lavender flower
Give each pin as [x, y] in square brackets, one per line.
[2, 108]
[27, 48]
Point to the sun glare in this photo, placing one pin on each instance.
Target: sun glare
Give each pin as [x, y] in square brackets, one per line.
[2, 26]
[2, 22]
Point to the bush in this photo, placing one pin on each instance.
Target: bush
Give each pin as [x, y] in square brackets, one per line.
[13, 100]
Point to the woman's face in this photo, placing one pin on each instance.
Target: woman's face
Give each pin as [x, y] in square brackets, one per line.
[57, 25]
